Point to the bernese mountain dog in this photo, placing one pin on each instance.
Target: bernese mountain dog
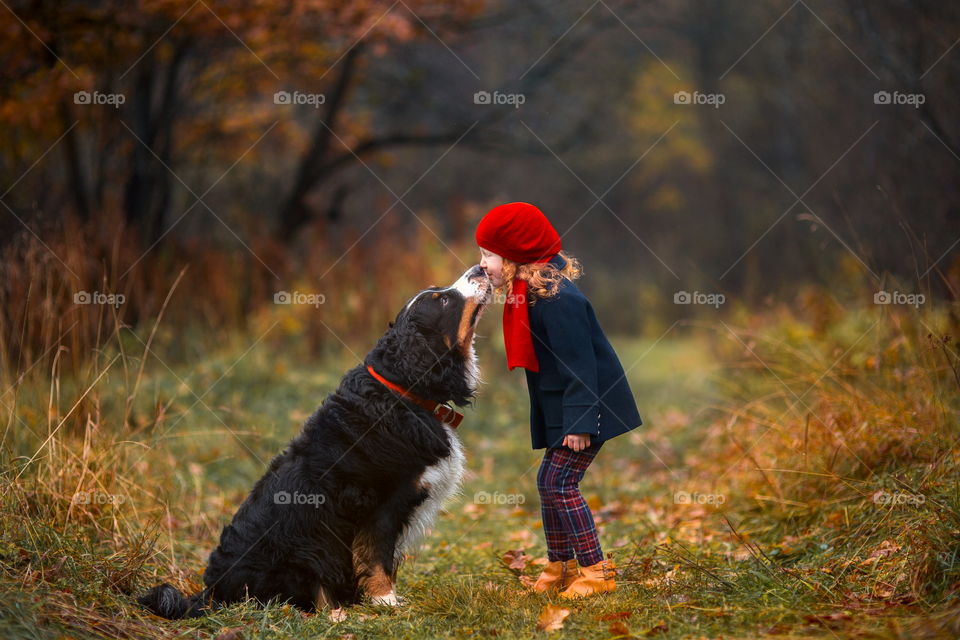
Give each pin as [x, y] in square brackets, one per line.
[356, 489]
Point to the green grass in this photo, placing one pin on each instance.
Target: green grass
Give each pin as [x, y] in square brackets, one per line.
[799, 547]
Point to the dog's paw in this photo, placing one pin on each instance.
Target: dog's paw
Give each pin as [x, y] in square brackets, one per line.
[391, 599]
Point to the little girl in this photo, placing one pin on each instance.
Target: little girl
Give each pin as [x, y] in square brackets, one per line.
[579, 396]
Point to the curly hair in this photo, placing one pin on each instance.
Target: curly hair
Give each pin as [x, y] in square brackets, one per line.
[543, 279]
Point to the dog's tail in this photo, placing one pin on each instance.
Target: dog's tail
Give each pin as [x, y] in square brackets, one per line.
[167, 601]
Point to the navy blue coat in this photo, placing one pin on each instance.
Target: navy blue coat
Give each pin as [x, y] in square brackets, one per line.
[581, 386]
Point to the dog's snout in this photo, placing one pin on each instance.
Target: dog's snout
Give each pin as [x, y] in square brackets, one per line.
[477, 272]
[473, 284]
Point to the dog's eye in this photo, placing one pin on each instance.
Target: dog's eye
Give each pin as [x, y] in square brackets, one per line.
[444, 300]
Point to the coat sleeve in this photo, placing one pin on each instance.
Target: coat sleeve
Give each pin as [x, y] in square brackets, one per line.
[567, 325]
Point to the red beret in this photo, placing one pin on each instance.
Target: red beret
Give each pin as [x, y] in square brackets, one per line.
[518, 231]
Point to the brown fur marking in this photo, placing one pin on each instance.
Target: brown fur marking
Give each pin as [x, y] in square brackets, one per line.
[463, 331]
[322, 601]
[370, 574]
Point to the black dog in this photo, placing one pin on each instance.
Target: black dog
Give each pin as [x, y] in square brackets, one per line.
[335, 512]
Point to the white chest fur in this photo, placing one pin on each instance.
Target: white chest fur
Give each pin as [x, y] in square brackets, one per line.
[442, 480]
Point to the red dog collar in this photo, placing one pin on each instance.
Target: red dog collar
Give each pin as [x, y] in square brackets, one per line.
[443, 411]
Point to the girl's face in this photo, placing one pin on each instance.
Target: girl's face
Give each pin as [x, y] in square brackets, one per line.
[493, 265]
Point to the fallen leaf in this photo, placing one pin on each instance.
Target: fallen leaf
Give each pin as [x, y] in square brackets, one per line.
[473, 510]
[884, 590]
[620, 615]
[516, 559]
[618, 628]
[660, 627]
[229, 634]
[523, 535]
[886, 548]
[338, 615]
[552, 617]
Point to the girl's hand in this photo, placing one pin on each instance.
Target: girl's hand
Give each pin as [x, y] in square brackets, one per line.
[577, 441]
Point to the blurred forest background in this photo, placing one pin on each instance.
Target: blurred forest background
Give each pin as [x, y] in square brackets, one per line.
[333, 145]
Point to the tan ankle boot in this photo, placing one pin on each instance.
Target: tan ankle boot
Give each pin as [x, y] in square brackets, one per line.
[556, 575]
[596, 578]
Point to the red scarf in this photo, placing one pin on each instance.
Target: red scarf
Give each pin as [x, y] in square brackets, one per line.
[517, 335]
[519, 232]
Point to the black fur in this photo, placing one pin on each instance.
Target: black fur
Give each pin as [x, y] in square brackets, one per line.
[364, 450]
[166, 601]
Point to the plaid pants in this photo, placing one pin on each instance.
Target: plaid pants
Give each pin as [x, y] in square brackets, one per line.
[567, 521]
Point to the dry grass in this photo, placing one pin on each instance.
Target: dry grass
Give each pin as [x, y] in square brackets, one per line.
[831, 438]
[222, 288]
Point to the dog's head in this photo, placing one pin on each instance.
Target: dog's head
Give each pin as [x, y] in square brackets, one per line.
[429, 346]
